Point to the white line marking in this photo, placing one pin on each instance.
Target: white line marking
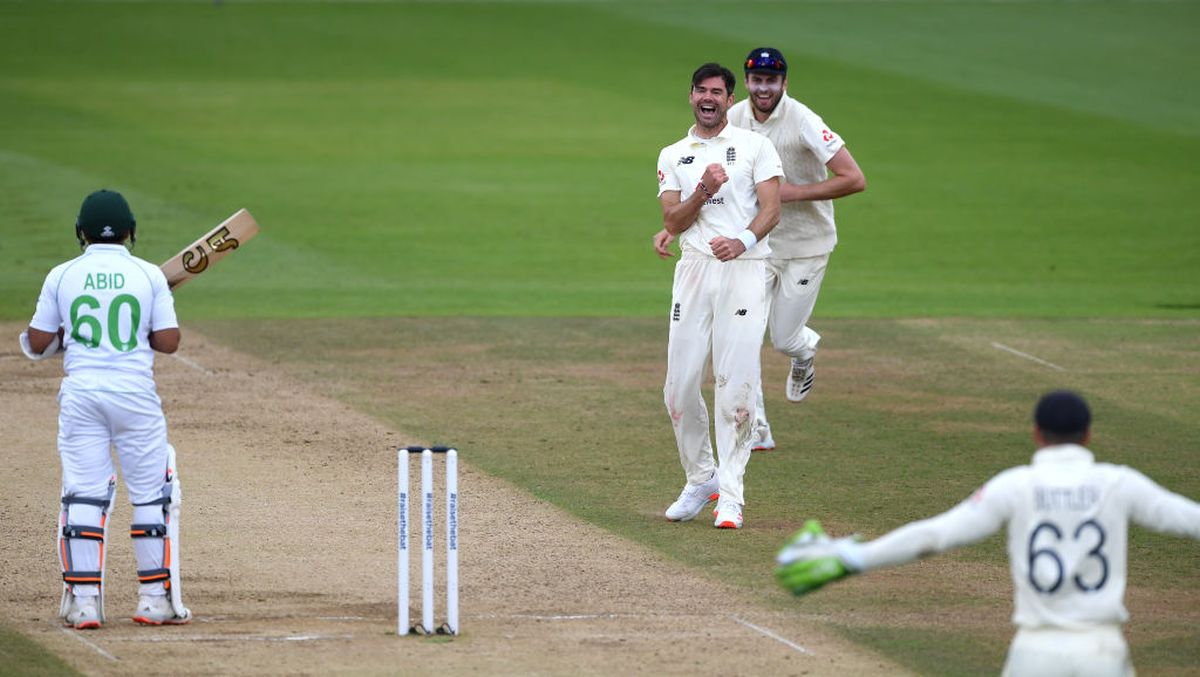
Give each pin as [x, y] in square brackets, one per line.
[191, 363]
[772, 635]
[76, 634]
[231, 638]
[1027, 356]
[561, 617]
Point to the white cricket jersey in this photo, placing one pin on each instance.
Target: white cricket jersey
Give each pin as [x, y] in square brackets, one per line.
[805, 144]
[748, 158]
[108, 301]
[1068, 521]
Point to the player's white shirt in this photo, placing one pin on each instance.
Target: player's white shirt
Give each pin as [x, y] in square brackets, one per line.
[748, 158]
[108, 301]
[805, 145]
[1067, 519]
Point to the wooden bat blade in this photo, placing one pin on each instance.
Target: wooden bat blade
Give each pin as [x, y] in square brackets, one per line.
[215, 245]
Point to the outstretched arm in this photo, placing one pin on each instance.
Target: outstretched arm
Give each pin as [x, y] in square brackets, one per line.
[811, 559]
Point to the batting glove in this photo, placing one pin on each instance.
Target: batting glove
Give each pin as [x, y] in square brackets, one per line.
[810, 559]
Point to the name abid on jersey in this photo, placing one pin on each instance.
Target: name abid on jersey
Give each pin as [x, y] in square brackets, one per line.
[108, 301]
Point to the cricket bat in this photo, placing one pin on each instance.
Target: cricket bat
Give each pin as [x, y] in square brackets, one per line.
[213, 246]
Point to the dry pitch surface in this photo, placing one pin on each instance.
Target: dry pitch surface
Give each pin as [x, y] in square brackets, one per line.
[289, 554]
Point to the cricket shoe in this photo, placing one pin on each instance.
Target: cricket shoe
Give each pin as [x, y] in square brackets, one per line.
[157, 610]
[729, 514]
[763, 440]
[800, 379]
[84, 614]
[692, 500]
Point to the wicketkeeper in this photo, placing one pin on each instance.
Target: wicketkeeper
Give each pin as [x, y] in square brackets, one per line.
[1067, 519]
[108, 310]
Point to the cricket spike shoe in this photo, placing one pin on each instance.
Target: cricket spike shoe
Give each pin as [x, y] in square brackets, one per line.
[692, 500]
[729, 514]
[800, 379]
[157, 610]
[84, 615]
[763, 440]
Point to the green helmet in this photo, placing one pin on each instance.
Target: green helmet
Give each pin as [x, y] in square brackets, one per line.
[105, 217]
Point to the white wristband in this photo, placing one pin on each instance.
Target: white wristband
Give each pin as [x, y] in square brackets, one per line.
[748, 238]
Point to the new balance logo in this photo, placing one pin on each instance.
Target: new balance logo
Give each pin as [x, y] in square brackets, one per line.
[686, 160]
[740, 312]
[804, 281]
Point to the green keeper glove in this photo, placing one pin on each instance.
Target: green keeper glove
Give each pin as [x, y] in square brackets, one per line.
[809, 560]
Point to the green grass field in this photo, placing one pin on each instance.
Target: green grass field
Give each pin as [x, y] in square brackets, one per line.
[472, 181]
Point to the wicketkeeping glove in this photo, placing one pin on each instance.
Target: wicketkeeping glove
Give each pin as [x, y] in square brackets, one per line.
[810, 559]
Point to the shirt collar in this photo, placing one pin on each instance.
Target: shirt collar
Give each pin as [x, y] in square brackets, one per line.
[725, 132]
[100, 248]
[1062, 453]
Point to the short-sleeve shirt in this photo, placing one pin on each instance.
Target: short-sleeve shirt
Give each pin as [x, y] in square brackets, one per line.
[108, 301]
[748, 158]
[805, 144]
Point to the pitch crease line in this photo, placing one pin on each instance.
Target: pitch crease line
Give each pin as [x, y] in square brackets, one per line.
[234, 638]
[772, 635]
[76, 635]
[1014, 351]
[192, 363]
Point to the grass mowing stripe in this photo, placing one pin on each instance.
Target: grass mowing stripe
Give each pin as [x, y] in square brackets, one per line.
[513, 179]
[1102, 58]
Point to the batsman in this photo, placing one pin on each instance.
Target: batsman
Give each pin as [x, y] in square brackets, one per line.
[107, 311]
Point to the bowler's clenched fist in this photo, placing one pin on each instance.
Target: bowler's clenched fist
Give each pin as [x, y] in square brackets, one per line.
[714, 177]
[727, 248]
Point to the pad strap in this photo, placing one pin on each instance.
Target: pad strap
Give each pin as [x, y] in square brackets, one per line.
[154, 575]
[147, 531]
[83, 500]
[83, 577]
[86, 532]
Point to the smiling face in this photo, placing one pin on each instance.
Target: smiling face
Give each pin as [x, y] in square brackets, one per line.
[710, 99]
[765, 90]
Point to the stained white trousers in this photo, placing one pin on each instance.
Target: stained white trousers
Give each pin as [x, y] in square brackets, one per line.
[1098, 652]
[792, 289]
[90, 424]
[717, 309]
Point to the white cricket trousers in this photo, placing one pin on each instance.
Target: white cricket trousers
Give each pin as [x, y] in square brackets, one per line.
[90, 424]
[719, 309]
[1097, 652]
[792, 288]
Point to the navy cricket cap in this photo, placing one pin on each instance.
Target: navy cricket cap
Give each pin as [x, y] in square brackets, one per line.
[1062, 412]
[765, 60]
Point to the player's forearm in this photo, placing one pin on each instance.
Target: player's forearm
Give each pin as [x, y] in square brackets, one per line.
[765, 221]
[165, 340]
[829, 189]
[681, 215]
[40, 340]
[956, 527]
